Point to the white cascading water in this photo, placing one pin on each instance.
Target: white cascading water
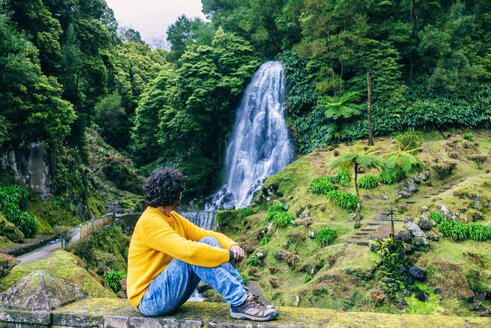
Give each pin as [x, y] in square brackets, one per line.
[260, 145]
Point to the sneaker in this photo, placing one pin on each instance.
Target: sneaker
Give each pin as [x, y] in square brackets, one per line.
[253, 309]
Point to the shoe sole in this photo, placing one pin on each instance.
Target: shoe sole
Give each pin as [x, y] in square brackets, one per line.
[240, 316]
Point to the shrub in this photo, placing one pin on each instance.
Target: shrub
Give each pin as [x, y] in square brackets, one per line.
[278, 207]
[386, 177]
[343, 199]
[326, 236]
[12, 199]
[244, 212]
[478, 159]
[264, 241]
[115, 280]
[444, 168]
[409, 140]
[468, 136]
[279, 215]
[295, 238]
[280, 219]
[343, 177]
[367, 181]
[322, 185]
[7, 262]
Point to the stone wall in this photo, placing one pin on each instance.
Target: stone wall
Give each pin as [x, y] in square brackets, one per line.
[116, 313]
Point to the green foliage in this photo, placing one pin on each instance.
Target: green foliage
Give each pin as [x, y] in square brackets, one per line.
[409, 140]
[307, 278]
[252, 261]
[13, 201]
[244, 212]
[444, 168]
[279, 207]
[115, 280]
[468, 136]
[343, 177]
[400, 164]
[264, 241]
[368, 181]
[437, 217]
[343, 199]
[322, 185]
[278, 214]
[326, 236]
[112, 121]
[280, 218]
[245, 279]
[31, 107]
[386, 177]
[460, 231]
[340, 107]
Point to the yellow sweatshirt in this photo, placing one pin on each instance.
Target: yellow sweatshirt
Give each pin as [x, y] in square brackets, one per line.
[157, 239]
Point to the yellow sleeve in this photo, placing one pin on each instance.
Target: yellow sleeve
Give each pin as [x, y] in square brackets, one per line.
[196, 233]
[160, 236]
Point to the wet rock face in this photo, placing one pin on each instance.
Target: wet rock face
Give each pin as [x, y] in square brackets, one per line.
[40, 291]
[30, 165]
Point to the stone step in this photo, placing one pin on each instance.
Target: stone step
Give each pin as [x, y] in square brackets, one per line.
[370, 228]
[362, 233]
[358, 242]
[410, 202]
[372, 223]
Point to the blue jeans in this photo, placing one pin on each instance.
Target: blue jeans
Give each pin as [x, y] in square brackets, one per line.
[173, 286]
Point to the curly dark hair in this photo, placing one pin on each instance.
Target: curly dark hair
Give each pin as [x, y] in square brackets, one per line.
[163, 187]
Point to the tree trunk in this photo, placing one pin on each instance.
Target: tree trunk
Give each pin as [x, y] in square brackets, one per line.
[397, 192]
[370, 134]
[358, 205]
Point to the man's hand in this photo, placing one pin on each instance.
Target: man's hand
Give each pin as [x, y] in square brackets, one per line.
[238, 253]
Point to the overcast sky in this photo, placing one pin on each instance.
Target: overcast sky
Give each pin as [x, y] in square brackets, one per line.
[152, 17]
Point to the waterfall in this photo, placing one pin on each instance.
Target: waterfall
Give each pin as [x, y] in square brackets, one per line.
[260, 145]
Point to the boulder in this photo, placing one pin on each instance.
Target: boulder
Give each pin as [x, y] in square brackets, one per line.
[417, 273]
[9, 230]
[408, 219]
[425, 221]
[416, 233]
[407, 188]
[422, 177]
[433, 236]
[443, 210]
[40, 291]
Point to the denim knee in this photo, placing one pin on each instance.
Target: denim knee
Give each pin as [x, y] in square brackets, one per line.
[210, 240]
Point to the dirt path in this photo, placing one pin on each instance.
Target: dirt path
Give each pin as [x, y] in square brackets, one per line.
[40, 253]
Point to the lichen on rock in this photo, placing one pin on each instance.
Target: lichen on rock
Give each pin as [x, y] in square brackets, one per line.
[40, 291]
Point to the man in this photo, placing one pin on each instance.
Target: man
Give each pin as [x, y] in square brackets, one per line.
[169, 255]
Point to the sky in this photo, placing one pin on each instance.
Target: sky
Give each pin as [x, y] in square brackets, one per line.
[152, 17]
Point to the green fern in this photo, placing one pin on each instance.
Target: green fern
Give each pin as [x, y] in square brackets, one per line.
[368, 181]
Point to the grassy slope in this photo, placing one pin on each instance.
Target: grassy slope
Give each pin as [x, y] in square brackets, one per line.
[344, 285]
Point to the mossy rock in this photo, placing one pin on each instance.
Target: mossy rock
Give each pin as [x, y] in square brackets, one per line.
[9, 230]
[40, 291]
